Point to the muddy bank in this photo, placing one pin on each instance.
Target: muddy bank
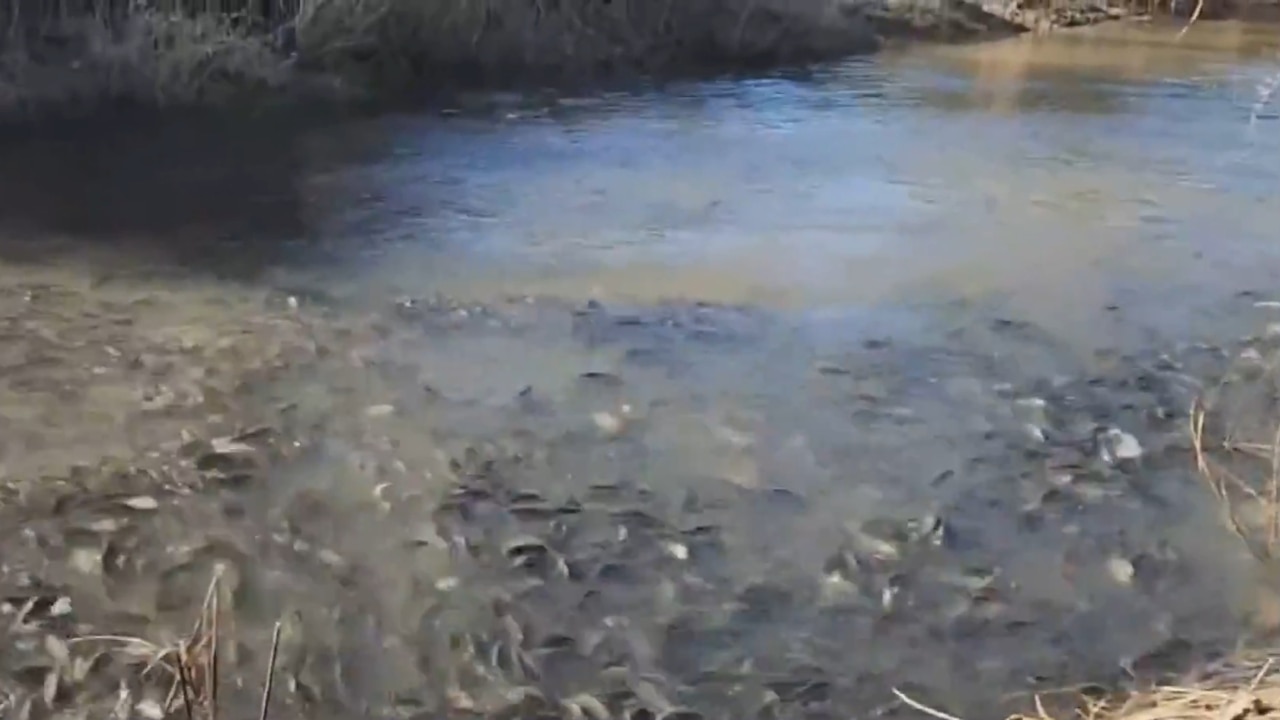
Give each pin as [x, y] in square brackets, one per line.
[437, 540]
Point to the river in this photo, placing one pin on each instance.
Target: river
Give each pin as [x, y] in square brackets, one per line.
[804, 303]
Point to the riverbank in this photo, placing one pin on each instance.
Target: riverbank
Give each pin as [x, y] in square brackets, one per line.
[153, 57]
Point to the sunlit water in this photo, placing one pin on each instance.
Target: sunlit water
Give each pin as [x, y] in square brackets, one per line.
[1114, 188]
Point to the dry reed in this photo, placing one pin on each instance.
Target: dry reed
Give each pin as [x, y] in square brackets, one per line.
[1246, 686]
[167, 52]
[192, 662]
[1235, 442]
[1243, 688]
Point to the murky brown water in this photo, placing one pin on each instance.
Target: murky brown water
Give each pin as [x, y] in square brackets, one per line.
[850, 285]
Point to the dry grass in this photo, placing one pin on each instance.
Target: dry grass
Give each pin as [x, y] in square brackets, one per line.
[148, 57]
[1242, 688]
[192, 663]
[150, 52]
[1247, 686]
[1235, 440]
[501, 35]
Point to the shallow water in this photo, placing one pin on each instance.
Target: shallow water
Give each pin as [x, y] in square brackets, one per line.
[889, 253]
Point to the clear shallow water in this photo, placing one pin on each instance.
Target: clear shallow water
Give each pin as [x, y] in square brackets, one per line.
[1110, 188]
[1100, 167]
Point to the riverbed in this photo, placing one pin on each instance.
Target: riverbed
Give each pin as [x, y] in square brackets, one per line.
[746, 397]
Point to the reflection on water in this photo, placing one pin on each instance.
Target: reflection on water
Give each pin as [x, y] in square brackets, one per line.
[1107, 187]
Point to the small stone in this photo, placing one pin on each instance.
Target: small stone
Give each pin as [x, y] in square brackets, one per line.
[1122, 446]
[330, 558]
[830, 368]
[377, 411]
[610, 425]
[141, 502]
[679, 551]
[1120, 570]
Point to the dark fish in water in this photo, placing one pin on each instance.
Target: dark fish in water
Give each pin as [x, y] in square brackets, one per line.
[763, 601]
[530, 553]
[603, 378]
[604, 492]
[616, 572]
[635, 518]
[524, 547]
[782, 498]
[525, 496]
[467, 493]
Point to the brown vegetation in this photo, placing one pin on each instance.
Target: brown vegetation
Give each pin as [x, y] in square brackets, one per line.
[167, 52]
[1242, 688]
[147, 55]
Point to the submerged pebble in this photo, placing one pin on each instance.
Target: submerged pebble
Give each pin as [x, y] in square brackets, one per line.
[1120, 570]
[379, 411]
[609, 424]
[1119, 446]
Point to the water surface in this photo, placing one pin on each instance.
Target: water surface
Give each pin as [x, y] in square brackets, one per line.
[837, 282]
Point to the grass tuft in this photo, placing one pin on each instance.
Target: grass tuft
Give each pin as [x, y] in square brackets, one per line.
[192, 663]
[162, 53]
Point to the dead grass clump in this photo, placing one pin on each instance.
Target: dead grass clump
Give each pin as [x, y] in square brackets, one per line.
[1235, 439]
[191, 664]
[1242, 688]
[154, 53]
[494, 36]
[147, 57]
[164, 53]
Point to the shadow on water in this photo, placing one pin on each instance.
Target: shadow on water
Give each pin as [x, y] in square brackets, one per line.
[186, 194]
